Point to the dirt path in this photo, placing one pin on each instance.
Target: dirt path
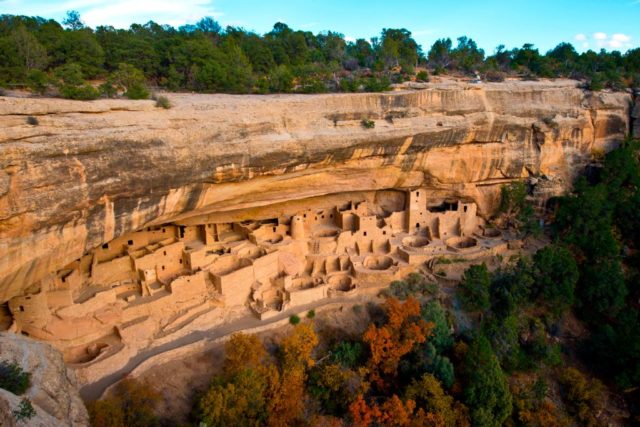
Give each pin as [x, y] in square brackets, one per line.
[94, 390]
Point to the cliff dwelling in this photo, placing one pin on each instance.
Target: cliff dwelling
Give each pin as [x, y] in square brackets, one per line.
[148, 284]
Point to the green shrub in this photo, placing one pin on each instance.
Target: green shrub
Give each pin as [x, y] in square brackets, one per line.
[70, 74]
[368, 124]
[163, 102]
[37, 81]
[422, 76]
[33, 121]
[294, 319]
[137, 91]
[108, 89]
[13, 378]
[85, 92]
[311, 314]
[25, 410]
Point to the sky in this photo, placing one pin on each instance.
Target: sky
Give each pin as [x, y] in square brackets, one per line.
[587, 24]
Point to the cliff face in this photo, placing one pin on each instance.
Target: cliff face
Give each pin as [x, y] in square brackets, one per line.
[91, 171]
[53, 391]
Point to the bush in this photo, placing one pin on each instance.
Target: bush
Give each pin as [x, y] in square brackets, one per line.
[33, 121]
[163, 102]
[137, 91]
[108, 89]
[582, 396]
[25, 410]
[595, 82]
[422, 76]
[294, 319]
[368, 124]
[13, 378]
[81, 93]
[311, 314]
[37, 81]
[495, 76]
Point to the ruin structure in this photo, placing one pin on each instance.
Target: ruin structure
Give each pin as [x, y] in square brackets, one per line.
[148, 283]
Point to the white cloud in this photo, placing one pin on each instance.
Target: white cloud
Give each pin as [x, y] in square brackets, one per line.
[623, 38]
[601, 40]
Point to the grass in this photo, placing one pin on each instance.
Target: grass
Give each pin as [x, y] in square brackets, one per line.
[311, 314]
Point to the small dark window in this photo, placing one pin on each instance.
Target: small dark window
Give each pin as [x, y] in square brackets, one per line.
[384, 233]
[105, 246]
[322, 216]
[465, 208]
[274, 229]
[165, 253]
[365, 233]
[417, 193]
[316, 218]
[163, 230]
[417, 225]
[163, 267]
[22, 308]
[305, 215]
[180, 261]
[331, 216]
[130, 242]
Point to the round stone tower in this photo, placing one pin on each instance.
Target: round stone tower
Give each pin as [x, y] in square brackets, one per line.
[297, 227]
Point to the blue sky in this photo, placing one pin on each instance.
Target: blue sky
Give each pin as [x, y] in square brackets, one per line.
[595, 24]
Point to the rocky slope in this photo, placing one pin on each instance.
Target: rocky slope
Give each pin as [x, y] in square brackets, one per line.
[53, 391]
[90, 171]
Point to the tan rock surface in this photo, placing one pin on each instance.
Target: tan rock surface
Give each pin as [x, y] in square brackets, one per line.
[53, 389]
[91, 171]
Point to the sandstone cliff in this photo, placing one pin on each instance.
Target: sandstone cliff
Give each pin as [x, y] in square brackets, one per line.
[91, 171]
[53, 391]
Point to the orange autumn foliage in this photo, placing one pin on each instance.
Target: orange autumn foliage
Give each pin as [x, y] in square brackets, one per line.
[390, 342]
[393, 412]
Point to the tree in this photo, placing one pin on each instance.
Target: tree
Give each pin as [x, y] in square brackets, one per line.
[583, 397]
[73, 21]
[467, 56]
[131, 405]
[474, 288]
[31, 53]
[486, 390]
[395, 338]
[296, 348]
[515, 210]
[242, 351]
[440, 53]
[131, 80]
[239, 401]
[555, 275]
[428, 395]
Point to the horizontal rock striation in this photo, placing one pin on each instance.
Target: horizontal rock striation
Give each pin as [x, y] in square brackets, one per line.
[91, 171]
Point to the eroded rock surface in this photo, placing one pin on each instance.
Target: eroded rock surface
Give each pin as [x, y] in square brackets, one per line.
[92, 171]
[53, 391]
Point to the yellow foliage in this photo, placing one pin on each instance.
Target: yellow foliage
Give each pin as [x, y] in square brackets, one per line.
[242, 351]
[298, 346]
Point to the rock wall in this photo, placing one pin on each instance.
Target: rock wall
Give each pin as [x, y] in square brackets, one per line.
[91, 171]
[53, 391]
